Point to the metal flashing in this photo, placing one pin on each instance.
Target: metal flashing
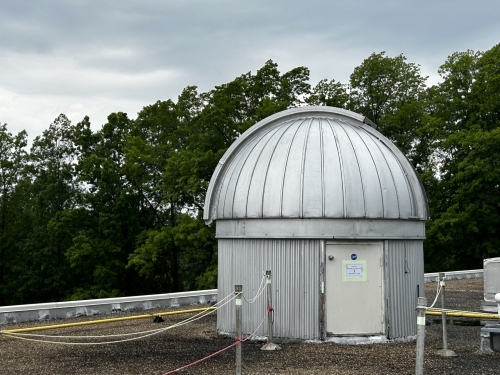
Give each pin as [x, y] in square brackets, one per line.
[369, 122]
[321, 228]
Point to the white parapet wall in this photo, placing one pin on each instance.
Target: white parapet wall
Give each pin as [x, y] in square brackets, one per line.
[455, 275]
[71, 309]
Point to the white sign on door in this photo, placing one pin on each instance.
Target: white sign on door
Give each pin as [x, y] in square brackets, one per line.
[354, 270]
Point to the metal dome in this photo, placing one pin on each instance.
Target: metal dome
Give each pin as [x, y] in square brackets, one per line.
[314, 162]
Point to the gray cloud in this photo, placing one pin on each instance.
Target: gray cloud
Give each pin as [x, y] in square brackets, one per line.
[87, 57]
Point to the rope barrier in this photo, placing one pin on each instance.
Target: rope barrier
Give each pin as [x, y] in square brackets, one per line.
[237, 341]
[438, 292]
[102, 321]
[261, 289]
[140, 335]
[145, 333]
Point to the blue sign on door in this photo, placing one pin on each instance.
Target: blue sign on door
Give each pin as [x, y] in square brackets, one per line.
[354, 257]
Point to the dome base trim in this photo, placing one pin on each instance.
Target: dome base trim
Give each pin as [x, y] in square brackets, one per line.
[321, 228]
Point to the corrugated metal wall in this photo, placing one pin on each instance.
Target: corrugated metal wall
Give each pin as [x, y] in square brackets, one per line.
[295, 283]
[295, 266]
[404, 278]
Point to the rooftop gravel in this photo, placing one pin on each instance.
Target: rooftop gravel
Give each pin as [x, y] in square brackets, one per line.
[174, 348]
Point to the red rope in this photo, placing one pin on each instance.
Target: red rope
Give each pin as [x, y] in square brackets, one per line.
[238, 340]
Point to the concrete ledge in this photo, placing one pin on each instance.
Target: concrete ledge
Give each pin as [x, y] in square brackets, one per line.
[455, 275]
[71, 309]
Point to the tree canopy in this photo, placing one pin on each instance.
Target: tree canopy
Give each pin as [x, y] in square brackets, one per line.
[118, 211]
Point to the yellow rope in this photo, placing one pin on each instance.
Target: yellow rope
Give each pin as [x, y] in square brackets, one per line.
[66, 325]
[202, 313]
[461, 313]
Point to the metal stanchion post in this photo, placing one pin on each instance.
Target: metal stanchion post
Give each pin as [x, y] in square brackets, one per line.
[445, 352]
[270, 345]
[421, 307]
[238, 289]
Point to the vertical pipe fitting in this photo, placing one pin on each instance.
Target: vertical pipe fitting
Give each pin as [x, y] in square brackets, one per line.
[445, 352]
[238, 290]
[270, 345]
[421, 307]
[442, 277]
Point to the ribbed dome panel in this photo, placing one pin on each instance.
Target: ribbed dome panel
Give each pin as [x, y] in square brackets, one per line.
[314, 162]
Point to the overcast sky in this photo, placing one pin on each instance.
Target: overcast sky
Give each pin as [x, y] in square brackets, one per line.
[93, 58]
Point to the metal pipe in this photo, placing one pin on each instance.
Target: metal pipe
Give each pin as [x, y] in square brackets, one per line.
[421, 306]
[270, 345]
[445, 352]
[67, 325]
[269, 307]
[443, 316]
[238, 289]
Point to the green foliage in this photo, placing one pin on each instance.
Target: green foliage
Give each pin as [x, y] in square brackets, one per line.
[390, 92]
[381, 85]
[208, 280]
[333, 94]
[110, 216]
[190, 240]
[466, 213]
[13, 159]
[118, 211]
[469, 228]
[387, 90]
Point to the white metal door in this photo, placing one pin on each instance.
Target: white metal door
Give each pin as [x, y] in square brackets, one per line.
[354, 288]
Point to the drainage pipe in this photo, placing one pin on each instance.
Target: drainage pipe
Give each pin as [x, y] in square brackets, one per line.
[67, 325]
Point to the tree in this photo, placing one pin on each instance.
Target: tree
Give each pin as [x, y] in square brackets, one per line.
[52, 189]
[195, 133]
[162, 132]
[390, 92]
[387, 90]
[109, 218]
[468, 230]
[466, 205]
[12, 163]
[154, 139]
[333, 94]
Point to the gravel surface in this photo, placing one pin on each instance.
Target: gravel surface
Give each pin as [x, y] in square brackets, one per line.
[174, 348]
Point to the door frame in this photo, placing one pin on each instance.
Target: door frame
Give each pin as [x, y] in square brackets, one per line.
[323, 287]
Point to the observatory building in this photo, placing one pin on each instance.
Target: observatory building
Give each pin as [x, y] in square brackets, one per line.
[319, 197]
